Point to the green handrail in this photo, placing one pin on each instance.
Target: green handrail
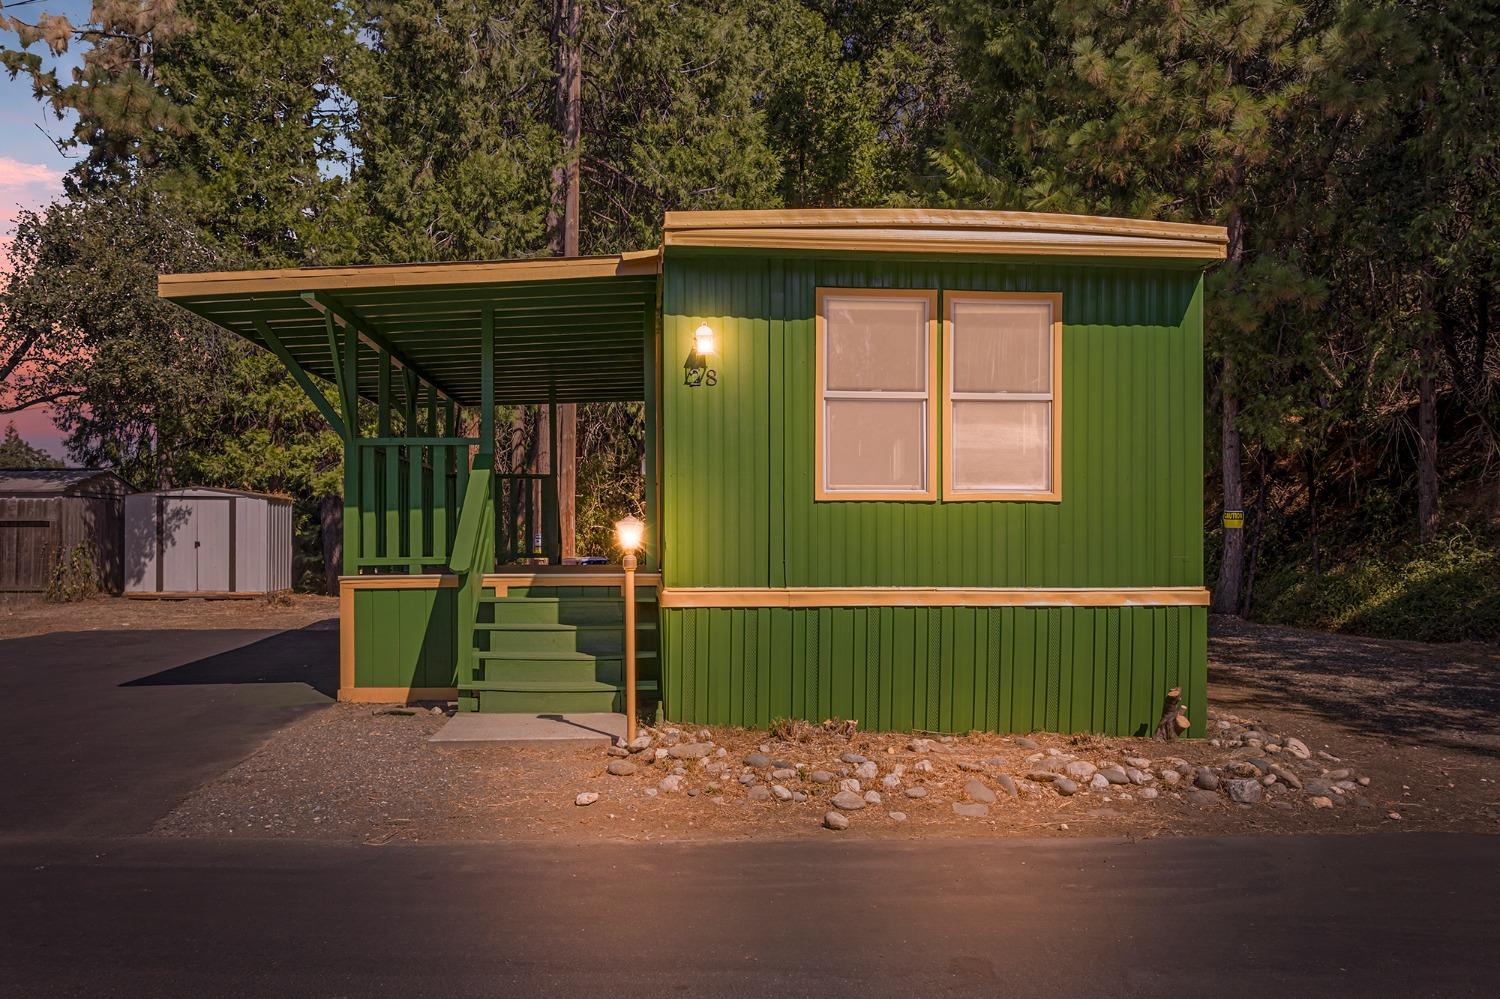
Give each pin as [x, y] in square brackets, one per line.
[473, 515]
[474, 539]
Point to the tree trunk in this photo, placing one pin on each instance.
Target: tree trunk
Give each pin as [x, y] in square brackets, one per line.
[1427, 445]
[331, 527]
[1226, 598]
[562, 238]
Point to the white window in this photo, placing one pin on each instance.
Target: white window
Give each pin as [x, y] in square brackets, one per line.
[1002, 394]
[876, 373]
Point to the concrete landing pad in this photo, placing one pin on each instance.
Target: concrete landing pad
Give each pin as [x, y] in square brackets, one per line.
[589, 729]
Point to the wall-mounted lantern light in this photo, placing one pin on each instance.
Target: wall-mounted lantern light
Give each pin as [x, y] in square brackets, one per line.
[629, 533]
[703, 340]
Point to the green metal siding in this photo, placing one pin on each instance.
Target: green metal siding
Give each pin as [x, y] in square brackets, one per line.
[941, 669]
[737, 497]
[738, 511]
[405, 638]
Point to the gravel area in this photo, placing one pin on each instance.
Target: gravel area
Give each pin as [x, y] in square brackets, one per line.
[354, 772]
[23, 616]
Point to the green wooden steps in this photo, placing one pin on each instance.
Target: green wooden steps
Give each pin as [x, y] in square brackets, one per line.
[542, 650]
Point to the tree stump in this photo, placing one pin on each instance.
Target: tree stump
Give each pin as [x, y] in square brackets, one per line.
[1173, 722]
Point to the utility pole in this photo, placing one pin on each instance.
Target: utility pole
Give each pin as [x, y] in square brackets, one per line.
[562, 238]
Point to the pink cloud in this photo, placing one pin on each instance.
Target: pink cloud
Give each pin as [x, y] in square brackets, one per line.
[25, 185]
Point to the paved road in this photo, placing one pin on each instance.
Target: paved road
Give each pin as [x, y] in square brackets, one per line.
[1389, 915]
[105, 731]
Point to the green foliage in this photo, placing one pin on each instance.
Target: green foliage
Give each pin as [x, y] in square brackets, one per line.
[16, 453]
[75, 577]
[611, 448]
[1445, 591]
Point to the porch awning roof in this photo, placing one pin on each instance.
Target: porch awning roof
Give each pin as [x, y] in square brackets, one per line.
[575, 326]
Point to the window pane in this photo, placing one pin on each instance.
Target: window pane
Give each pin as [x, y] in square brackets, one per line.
[1002, 446]
[876, 344]
[1002, 346]
[874, 444]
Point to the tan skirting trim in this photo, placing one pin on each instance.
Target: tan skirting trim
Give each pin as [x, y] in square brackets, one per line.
[396, 695]
[935, 596]
[394, 581]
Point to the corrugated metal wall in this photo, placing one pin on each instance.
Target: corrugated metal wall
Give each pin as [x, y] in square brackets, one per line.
[180, 541]
[949, 669]
[737, 457]
[738, 510]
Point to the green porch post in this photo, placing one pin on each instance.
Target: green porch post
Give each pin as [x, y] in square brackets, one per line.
[651, 556]
[349, 399]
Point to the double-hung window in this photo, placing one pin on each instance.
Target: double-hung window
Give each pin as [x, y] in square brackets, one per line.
[879, 405]
[877, 381]
[1002, 391]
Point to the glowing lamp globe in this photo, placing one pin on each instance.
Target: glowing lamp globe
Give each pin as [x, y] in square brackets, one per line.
[703, 339]
[629, 533]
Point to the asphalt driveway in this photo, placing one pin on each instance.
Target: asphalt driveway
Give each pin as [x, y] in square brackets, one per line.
[106, 731]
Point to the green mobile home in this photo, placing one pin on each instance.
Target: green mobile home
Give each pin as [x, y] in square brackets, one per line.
[935, 470]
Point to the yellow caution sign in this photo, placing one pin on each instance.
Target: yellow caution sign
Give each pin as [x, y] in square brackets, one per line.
[1234, 518]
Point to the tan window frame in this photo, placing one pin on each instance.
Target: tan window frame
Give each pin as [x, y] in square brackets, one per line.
[1053, 493]
[930, 436]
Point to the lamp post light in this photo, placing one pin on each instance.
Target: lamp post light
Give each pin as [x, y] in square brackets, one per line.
[629, 534]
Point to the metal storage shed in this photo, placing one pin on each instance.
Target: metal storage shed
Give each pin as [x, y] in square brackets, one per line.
[44, 512]
[204, 541]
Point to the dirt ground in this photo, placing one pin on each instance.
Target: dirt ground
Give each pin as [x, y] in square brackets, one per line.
[1418, 722]
[26, 615]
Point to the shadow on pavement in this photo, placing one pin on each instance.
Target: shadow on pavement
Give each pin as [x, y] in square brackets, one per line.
[308, 655]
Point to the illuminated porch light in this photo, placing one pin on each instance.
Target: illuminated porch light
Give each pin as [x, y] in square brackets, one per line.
[629, 533]
[703, 339]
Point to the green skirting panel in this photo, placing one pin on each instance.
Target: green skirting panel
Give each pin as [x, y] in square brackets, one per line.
[938, 669]
[405, 638]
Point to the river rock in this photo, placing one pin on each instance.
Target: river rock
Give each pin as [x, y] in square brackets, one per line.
[916, 792]
[848, 801]
[690, 751]
[1286, 776]
[976, 791]
[1080, 770]
[1206, 780]
[820, 777]
[621, 768]
[1321, 801]
[867, 770]
[922, 766]
[890, 782]
[757, 760]
[1147, 793]
[872, 797]
[1245, 790]
[1202, 798]
[1297, 748]
[1064, 786]
[671, 782]
[1098, 782]
[898, 816]
[849, 784]
[833, 820]
[1136, 776]
[1026, 743]
[586, 798]
[853, 759]
[1007, 784]
[781, 793]
[970, 809]
[1115, 775]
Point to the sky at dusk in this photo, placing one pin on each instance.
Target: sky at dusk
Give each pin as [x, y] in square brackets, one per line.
[31, 168]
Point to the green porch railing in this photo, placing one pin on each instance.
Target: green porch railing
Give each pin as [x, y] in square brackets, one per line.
[527, 525]
[473, 554]
[411, 494]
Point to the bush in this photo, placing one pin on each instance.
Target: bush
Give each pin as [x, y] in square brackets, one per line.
[75, 577]
[1446, 591]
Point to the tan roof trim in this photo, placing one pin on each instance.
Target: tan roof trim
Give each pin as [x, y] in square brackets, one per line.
[940, 230]
[636, 263]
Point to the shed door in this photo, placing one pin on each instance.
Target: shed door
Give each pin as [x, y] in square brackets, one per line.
[177, 560]
[213, 544]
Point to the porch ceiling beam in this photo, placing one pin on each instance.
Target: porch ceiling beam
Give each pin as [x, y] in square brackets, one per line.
[329, 305]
